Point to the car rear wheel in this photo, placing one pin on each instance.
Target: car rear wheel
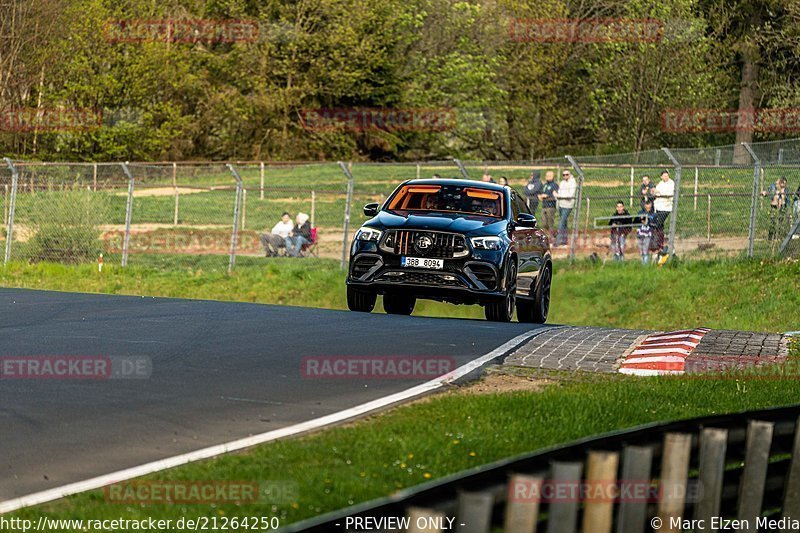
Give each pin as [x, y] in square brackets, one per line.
[503, 310]
[361, 301]
[398, 304]
[541, 303]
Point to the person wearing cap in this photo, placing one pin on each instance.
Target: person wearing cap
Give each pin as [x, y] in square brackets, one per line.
[532, 190]
[301, 235]
[567, 190]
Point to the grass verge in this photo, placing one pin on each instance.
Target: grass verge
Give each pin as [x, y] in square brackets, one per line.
[749, 295]
[442, 435]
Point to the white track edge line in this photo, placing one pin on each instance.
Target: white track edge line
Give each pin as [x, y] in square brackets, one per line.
[261, 438]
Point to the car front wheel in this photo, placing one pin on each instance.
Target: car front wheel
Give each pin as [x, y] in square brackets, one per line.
[503, 310]
[361, 301]
[398, 304]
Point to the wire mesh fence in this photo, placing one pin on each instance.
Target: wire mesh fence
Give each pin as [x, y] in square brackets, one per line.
[725, 200]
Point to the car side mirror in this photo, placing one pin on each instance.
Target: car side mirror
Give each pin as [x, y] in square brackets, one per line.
[526, 220]
[371, 210]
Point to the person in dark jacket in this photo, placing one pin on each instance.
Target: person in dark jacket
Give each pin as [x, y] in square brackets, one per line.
[647, 191]
[644, 233]
[621, 225]
[301, 235]
[532, 191]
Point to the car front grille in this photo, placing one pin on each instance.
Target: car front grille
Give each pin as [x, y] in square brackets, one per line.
[421, 278]
[440, 245]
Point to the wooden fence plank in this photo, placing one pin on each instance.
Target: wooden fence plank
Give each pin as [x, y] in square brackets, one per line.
[636, 467]
[713, 445]
[423, 520]
[474, 513]
[563, 512]
[674, 477]
[601, 479]
[791, 494]
[522, 506]
[754, 474]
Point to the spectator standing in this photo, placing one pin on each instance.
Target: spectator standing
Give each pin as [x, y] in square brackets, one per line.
[301, 234]
[665, 192]
[566, 193]
[644, 233]
[777, 201]
[532, 191]
[646, 191]
[621, 224]
[277, 237]
[548, 199]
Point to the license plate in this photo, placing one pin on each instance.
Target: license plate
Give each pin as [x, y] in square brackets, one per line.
[421, 262]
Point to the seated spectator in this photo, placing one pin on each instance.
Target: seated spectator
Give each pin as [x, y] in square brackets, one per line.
[503, 180]
[644, 233]
[277, 237]
[301, 235]
[620, 223]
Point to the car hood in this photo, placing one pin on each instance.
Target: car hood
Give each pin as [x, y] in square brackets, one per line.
[453, 222]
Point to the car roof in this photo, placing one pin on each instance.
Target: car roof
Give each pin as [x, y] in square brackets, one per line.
[457, 182]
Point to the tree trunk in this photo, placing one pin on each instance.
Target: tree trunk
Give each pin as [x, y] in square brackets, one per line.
[751, 54]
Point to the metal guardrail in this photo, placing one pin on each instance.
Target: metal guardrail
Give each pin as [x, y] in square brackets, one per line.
[738, 466]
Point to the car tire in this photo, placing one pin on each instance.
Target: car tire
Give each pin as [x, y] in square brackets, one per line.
[398, 304]
[503, 310]
[541, 301]
[524, 310]
[360, 301]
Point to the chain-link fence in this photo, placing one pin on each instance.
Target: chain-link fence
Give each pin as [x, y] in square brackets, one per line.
[726, 200]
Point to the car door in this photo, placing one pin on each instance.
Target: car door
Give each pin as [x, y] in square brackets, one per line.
[525, 245]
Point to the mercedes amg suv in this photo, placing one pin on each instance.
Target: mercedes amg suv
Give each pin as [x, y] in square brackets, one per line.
[452, 240]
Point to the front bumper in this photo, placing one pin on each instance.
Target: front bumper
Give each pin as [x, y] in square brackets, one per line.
[473, 279]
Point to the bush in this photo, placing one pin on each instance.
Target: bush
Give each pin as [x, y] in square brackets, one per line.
[66, 226]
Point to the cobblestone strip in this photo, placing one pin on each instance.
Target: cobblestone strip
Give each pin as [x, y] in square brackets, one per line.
[576, 348]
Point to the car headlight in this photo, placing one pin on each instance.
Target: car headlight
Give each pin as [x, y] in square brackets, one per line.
[368, 234]
[486, 243]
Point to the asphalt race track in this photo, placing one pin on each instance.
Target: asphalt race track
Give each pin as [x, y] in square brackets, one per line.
[220, 371]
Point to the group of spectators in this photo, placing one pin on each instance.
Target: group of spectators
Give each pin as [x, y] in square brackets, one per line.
[288, 236]
[649, 222]
[655, 203]
[784, 206]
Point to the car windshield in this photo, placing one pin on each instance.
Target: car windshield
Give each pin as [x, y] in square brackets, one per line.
[448, 199]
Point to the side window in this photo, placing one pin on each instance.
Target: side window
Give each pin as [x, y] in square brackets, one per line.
[514, 206]
[517, 205]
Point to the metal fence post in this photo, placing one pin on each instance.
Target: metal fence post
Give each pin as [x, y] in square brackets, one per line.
[578, 195]
[128, 213]
[673, 223]
[236, 207]
[461, 168]
[11, 205]
[348, 201]
[751, 233]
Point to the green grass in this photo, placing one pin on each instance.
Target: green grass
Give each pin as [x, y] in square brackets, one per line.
[757, 295]
[409, 445]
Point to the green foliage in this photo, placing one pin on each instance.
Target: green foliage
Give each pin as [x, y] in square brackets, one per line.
[66, 226]
[513, 100]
